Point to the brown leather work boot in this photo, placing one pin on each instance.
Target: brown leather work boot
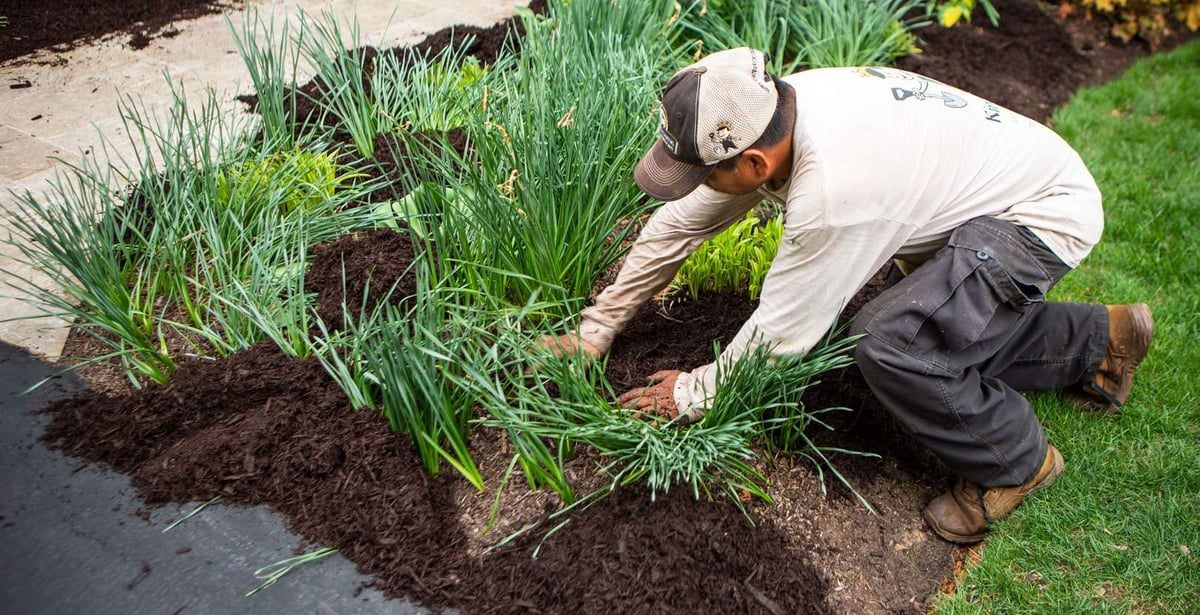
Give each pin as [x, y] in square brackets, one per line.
[1130, 329]
[962, 514]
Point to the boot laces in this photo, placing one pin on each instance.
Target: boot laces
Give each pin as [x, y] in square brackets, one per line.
[980, 492]
[1093, 388]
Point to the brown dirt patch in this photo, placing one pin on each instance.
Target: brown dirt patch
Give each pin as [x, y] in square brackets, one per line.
[1032, 62]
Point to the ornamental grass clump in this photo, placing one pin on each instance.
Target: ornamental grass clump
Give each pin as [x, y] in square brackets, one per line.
[412, 359]
[430, 93]
[371, 93]
[570, 405]
[170, 256]
[408, 357]
[855, 33]
[706, 26]
[551, 410]
[549, 178]
[260, 298]
[272, 60]
[769, 392]
[344, 78]
[805, 34]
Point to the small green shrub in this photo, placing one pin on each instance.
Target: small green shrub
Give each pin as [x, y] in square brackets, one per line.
[735, 261]
[304, 178]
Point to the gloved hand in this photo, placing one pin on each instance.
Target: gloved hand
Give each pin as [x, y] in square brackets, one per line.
[656, 398]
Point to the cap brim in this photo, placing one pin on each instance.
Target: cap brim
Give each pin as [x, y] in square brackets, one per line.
[665, 178]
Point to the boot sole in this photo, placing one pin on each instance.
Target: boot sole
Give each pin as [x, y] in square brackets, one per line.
[1056, 470]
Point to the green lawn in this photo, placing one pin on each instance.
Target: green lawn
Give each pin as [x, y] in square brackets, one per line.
[1120, 532]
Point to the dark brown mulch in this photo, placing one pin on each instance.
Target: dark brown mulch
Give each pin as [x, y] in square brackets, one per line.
[674, 336]
[1031, 79]
[63, 24]
[354, 273]
[1033, 62]
[259, 428]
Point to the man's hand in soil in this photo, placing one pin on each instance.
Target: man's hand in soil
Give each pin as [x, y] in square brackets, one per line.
[567, 344]
[656, 398]
[563, 345]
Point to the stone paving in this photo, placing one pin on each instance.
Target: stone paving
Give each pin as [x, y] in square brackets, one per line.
[72, 98]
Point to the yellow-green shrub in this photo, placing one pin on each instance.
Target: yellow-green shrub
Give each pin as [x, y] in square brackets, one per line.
[294, 179]
[734, 261]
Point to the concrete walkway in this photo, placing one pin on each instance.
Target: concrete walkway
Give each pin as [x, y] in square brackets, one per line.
[73, 95]
[75, 539]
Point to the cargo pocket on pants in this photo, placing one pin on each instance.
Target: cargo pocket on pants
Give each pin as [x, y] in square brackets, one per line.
[962, 319]
[1006, 281]
[904, 316]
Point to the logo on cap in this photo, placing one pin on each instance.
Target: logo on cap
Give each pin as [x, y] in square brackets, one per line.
[669, 140]
[723, 139]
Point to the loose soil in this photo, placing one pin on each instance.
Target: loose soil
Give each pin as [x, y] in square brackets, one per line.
[258, 428]
[65, 24]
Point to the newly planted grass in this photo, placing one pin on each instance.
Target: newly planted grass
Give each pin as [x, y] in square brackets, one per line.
[1120, 531]
[369, 91]
[271, 59]
[564, 124]
[346, 76]
[550, 410]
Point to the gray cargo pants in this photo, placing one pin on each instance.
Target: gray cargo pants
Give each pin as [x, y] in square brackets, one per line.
[948, 348]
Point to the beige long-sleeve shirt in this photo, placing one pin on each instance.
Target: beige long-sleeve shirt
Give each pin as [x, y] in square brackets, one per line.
[886, 164]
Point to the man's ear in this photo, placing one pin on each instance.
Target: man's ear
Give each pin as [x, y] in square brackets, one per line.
[758, 163]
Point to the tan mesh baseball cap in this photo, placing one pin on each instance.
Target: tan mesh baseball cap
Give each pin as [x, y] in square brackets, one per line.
[711, 111]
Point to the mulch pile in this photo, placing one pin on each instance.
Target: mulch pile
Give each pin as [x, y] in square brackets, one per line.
[354, 273]
[258, 428]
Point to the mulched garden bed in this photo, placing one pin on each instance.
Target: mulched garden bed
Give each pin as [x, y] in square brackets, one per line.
[258, 428]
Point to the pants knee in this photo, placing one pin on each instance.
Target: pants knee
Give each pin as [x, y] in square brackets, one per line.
[866, 353]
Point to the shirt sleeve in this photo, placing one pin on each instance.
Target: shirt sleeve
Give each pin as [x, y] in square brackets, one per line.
[813, 276]
[670, 236]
